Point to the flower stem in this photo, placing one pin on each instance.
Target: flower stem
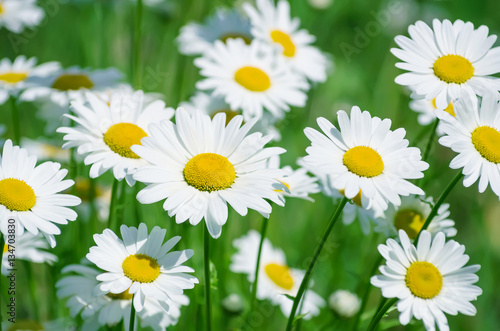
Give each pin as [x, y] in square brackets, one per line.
[263, 231]
[137, 55]
[32, 285]
[131, 325]
[206, 264]
[308, 273]
[15, 121]
[112, 203]
[440, 201]
[381, 313]
[431, 140]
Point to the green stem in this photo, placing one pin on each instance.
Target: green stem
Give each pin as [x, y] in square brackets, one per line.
[112, 203]
[32, 285]
[428, 146]
[15, 121]
[206, 264]
[381, 313]
[263, 231]
[308, 273]
[131, 324]
[138, 36]
[438, 204]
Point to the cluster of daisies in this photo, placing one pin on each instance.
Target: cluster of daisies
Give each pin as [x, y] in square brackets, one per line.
[211, 154]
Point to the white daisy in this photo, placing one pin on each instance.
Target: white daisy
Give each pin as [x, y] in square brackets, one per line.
[426, 110]
[251, 78]
[410, 216]
[200, 165]
[142, 265]
[18, 74]
[29, 248]
[30, 194]
[273, 24]
[196, 39]
[212, 105]
[294, 183]
[276, 278]
[44, 150]
[104, 133]
[71, 84]
[474, 133]
[344, 303]
[429, 279]
[447, 60]
[16, 15]
[365, 155]
[98, 308]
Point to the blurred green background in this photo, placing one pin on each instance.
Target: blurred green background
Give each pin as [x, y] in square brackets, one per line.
[358, 36]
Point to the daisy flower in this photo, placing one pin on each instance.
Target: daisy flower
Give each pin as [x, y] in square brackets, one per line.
[196, 39]
[44, 150]
[272, 24]
[276, 278]
[30, 194]
[104, 133]
[428, 279]
[98, 308]
[16, 15]
[28, 248]
[294, 183]
[201, 165]
[251, 78]
[365, 155]
[142, 265]
[426, 111]
[17, 75]
[474, 133]
[410, 216]
[447, 59]
[70, 84]
[212, 105]
[344, 303]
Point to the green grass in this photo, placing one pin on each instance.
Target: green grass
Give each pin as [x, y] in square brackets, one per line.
[99, 35]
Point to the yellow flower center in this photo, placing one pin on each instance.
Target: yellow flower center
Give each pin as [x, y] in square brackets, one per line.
[253, 79]
[486, 140]
[141, 268]
[424, 280]
[1, 9]
[363, 161]
[25, 325]
[410, 221]
[449, 109]
[120, 137]
[284, 40]
[246, 39]
[209, 172]
[356, 199]
[5, 248]
[121, 296]
[16, 195]
[230, 114]
[68, 82]
[13, 77]
[280, 275]
[284, 183]
[453, 69]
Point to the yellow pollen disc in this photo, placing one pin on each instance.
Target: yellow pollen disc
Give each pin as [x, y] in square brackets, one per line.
[284, 40]
[252, 79]
[486, 140]
[410, 221]
[5, 248]
[13, 77]
[1, 9]
[453, 69]
[141, 268]
[363, 161]
[68, 82]
[356, 199]
[284, 183]
[120, 296]
[16, 195]
[280, 275]
[424, 280]
[209, 172]
[230, 114]
[449, 109]
[246, 39]
[120, 137]
[25, 325]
